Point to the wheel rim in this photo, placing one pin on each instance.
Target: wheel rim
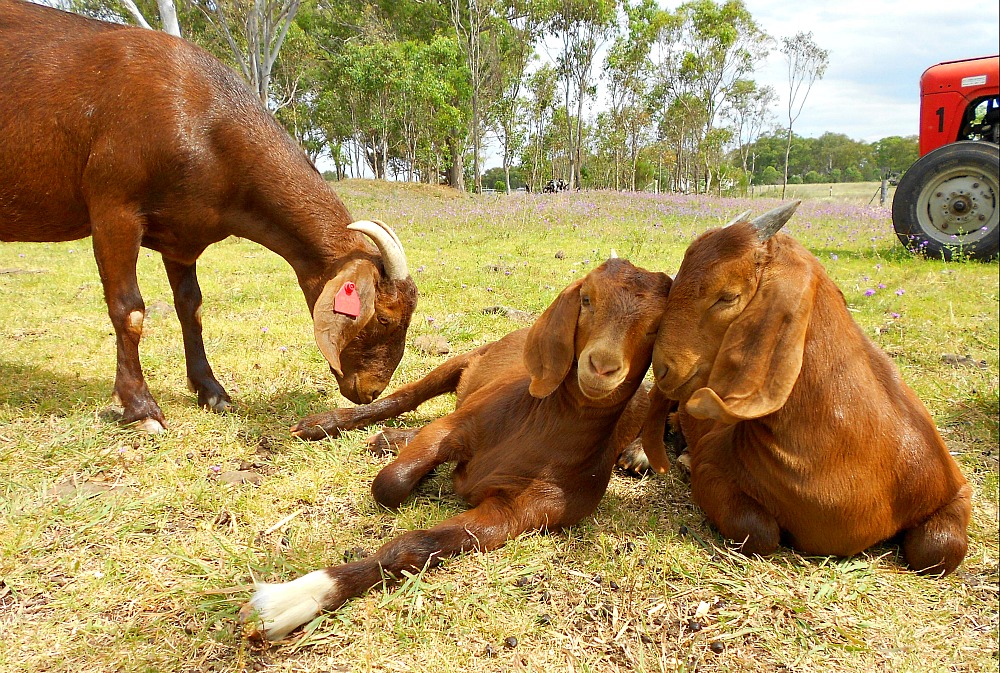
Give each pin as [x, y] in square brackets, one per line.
[959, 206]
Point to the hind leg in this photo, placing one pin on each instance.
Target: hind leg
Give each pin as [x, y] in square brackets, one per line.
[938, 545]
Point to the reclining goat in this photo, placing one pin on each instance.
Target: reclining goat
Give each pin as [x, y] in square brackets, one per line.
[540, 418]
[795, 421]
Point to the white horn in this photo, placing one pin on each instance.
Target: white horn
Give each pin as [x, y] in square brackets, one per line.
[393, 257]
[614, 254]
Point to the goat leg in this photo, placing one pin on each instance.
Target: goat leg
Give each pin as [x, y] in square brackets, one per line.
[275, 610]
[434, 444]
[442, 379]
[738, 517]
[391, 440]
[117, 234]
[938, 545]
[187, 301]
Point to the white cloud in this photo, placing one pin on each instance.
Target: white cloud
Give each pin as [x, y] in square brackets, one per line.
[878, 50]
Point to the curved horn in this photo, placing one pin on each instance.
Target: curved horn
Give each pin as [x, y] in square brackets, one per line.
[768, 224]
[393, 257]
[742, 217]
[390, 231]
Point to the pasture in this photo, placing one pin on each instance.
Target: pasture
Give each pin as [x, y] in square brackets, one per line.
[128, 552]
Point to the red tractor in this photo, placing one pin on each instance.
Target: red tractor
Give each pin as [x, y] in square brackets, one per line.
[946, 203]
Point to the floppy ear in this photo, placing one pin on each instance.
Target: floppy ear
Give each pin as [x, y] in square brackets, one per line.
[335, 330]
[550, 349]
[761, 353]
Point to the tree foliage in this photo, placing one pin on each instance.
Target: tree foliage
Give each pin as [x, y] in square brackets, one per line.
[619, 94]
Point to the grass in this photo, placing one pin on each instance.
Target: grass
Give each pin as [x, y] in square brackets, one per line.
[125, 552]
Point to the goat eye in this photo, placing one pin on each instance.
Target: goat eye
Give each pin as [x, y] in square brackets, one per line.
[726, 300]
[585, 300]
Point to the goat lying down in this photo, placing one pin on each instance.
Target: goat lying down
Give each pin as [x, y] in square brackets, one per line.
[795, 421]
[541, 416]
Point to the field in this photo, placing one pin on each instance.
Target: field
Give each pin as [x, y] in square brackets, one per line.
[127, 552]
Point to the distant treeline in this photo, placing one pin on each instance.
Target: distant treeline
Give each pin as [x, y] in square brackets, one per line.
[426, 90]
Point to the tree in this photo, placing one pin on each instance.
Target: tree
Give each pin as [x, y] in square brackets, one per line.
[518, 30]
[749, 110]
[627, 66]
[806, 62]
[581, 26]
[262, 26]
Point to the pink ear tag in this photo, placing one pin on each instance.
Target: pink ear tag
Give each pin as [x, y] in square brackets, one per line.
[347, 302]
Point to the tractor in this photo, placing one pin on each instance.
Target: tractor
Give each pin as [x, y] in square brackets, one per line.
[946, 203]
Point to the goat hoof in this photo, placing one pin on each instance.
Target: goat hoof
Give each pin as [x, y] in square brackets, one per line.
[684, 463]
[218, 404]
[632, 460]
[379, 445]
[150, 426]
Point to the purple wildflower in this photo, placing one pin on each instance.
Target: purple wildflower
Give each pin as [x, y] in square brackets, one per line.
[869, 292]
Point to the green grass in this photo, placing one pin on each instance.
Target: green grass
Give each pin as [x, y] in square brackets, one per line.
[148, 573]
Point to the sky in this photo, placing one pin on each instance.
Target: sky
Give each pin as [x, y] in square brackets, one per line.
[878, 50]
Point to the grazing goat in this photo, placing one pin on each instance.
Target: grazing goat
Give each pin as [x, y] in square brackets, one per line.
[795, 421]
[540, 417]
[137, 138]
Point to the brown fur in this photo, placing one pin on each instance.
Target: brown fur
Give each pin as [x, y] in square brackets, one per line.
[137, 138]
[540, 417]
[795, 421]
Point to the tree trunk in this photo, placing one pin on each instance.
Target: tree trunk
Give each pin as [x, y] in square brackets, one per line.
[788, 149]
[456, 173]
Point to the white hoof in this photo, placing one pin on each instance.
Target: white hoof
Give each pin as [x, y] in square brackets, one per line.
[150, 426]
[216, 403]
[278, 609]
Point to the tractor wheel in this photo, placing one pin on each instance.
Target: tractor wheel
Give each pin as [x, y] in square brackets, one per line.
[946, 203]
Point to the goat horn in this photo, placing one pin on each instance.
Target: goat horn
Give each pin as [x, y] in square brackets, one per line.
[614, 254]
[742, 217]
[393, 257]
[768, 224]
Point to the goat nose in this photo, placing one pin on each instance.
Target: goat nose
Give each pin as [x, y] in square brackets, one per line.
[660, 370]
[604, 368]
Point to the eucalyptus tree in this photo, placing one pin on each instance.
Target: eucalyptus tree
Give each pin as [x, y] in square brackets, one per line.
[721, 44]
[581, 28]
[519, 27]
[627, 67]
[749, 111]
[542, 84]
[806, 63]
[254, 30]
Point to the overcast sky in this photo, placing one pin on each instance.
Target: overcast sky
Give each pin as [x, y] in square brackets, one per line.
[878, 50]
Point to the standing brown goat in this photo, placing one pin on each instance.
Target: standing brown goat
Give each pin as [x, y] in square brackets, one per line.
[540, 417]
[795, 421]
[137, 138]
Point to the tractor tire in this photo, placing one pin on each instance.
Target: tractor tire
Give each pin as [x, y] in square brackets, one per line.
[946, 203]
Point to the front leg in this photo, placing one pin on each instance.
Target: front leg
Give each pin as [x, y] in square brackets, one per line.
[442, 379]
[432, 445]
[187, 301]
[391, 440]
[117, 233]
[736, 514]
